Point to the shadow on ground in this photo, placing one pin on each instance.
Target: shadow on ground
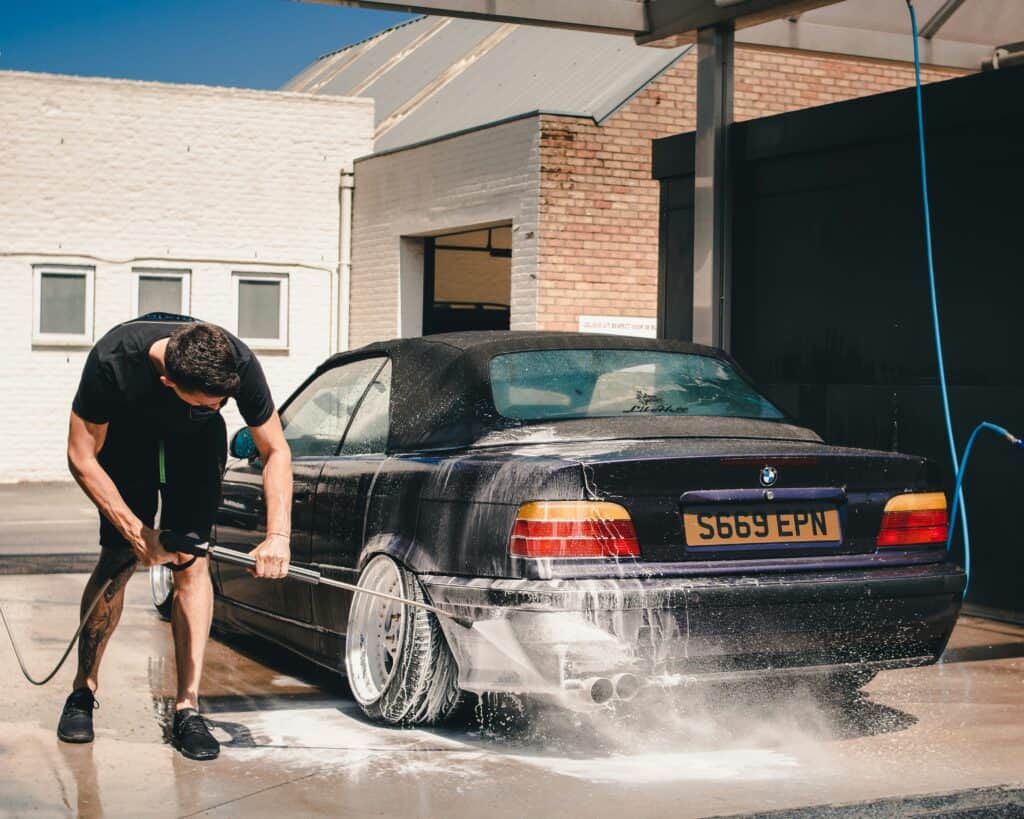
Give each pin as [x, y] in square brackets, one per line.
[704, 717]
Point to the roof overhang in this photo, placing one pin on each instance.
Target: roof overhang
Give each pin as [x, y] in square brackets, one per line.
[678, 20]
[647, 20]
[958, 33]
[627, 17]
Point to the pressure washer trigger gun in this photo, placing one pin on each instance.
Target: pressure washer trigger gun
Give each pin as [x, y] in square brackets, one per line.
[187, 543]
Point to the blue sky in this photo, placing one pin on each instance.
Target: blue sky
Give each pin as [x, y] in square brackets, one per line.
[247, 43]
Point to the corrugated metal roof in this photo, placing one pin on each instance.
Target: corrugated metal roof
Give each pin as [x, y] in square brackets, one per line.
[431, 57]
[436, 76]
[387, 45]
[314, 75]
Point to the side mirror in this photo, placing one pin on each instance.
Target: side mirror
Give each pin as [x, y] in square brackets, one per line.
[242, 445]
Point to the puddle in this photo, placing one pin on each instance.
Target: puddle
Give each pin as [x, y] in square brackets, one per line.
[644, 769]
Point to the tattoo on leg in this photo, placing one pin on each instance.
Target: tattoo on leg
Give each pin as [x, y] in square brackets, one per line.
[91, 641]
[119, 580]
[103, 619]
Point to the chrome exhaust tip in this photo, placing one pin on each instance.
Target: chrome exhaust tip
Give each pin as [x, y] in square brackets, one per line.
[626, 686]
[597, 690]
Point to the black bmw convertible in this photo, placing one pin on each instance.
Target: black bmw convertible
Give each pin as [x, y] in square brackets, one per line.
[612, 513]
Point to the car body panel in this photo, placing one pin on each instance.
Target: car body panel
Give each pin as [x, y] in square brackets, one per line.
[681, 630]
[241, 525]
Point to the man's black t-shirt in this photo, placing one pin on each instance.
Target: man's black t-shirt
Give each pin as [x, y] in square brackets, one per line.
[120, 382]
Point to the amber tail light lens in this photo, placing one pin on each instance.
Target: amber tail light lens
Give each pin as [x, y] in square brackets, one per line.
[914, 519]
[573, 529]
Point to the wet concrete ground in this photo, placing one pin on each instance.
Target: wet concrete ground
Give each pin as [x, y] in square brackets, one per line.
[295, 742]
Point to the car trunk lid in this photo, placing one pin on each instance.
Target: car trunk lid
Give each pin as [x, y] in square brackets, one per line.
[724, 498]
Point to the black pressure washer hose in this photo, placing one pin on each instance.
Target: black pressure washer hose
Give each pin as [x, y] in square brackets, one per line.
[193, 545]
[67, 651]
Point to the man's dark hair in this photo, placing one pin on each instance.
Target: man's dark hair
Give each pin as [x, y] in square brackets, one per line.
[200, 358]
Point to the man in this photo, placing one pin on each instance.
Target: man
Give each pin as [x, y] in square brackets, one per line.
[146, 421]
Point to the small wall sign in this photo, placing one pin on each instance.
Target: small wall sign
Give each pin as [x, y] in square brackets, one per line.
[641, 326]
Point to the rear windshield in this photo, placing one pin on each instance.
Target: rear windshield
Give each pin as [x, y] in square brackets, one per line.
[554, 384]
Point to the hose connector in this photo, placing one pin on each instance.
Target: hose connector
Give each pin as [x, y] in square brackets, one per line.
[1009, 436]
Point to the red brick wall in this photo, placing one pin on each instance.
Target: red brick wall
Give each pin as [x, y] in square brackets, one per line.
[598, 235]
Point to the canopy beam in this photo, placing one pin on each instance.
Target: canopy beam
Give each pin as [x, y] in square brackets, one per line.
[940, 18]
[711, 206]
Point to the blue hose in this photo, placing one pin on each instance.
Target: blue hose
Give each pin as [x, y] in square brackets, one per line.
[959, 465]
[963, 468]
[940, 355]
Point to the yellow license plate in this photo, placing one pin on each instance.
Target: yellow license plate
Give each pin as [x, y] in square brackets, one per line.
[731, 527]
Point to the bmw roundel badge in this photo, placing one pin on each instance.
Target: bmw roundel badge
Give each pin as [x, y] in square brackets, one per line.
[769, 475]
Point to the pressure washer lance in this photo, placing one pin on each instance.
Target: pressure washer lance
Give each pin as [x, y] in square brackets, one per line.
[193, 545]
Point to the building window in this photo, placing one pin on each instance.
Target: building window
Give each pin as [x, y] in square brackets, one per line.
[262, 309]
[161, 291]
[63, 312]
[467, 280]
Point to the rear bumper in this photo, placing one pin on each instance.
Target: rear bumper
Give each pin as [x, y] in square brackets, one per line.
[535, 636]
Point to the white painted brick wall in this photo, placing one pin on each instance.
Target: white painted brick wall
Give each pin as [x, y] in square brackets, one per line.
[485, 176]
[119, 174]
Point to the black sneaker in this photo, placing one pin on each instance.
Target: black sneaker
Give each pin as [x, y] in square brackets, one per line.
[76, 719]
[192, 737]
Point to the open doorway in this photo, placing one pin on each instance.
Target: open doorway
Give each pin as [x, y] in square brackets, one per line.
[467, 280]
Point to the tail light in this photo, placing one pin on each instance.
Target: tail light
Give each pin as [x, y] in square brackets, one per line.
[573, 529]
[914, 519]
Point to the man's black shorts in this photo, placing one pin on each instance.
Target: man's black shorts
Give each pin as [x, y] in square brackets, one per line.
[184, 469]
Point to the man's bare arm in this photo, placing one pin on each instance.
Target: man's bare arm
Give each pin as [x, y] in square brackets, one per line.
[274, 553]
[85, 440]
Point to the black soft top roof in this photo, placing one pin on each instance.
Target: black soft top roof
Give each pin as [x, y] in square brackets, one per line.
[440, 385]
[489, 343]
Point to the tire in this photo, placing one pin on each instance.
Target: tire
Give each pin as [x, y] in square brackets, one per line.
[161, 585]
[399, 666]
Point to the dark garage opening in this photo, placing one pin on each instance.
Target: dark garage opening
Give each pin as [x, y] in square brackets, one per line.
[467, 280]
[830, 310]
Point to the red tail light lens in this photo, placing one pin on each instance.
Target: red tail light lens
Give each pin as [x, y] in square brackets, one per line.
[914, 519]
[573, 529]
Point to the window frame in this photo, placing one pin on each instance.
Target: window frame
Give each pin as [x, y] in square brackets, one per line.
[386, 364]
[383, 360]
[184, 275]
[283, 279]
[84, 339]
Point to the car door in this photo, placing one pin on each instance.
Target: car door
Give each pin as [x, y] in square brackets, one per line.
[342, 495]
[314, 422]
